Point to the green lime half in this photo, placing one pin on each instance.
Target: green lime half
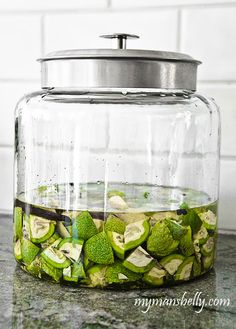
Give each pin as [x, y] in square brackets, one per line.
[117, 243]
[71, 248]
[117, 273]
[208, 247]
[17, 250]
[202, 235]
[172, 262]
[41, 229]
[28, 250]
[160, 242]
[139, 261]
[186, 243]
[55, 257]
[184, 271]
[114, 224]
[155, 276]
[97, 276]
[135, 234]
[18, 222]
[209, 220]
[84, 227]
[98, 249]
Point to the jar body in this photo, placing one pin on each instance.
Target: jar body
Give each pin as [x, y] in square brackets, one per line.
[116, 188]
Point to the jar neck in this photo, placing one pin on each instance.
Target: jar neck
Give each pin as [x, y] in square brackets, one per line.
[118, 91]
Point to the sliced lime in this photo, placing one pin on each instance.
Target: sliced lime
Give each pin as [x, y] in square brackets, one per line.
[71, 248]
[117, 202]
[50, 241]
[117, 273]
[17, 250]
[208, 247]
[84, 227]
[201, 236]
[50, 270]
[139, 261]
[55, 257]
[192, 219]
[208, 261]
[62, 231]
[155, 276]
[28, 250]
[135, 234]
[26, 227]
[160, 242]
[172, 262]
[175, 228]
[18, 222]
[41, 229]
[98, 249]
[74, 272]
[97, 276]
[186, 243]
[99, 223]
[184, 271]
[131, 217]
[196, 267]
[117, 243]
[114, 224]
[209, 220]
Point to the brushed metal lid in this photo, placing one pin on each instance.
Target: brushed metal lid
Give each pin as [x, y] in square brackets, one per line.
[118, 68]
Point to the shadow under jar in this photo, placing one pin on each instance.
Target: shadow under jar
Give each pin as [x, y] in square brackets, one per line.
[116, 170]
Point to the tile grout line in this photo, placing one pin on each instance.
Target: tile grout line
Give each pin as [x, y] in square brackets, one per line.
[109, 7]
[42, 34]
[179, 30]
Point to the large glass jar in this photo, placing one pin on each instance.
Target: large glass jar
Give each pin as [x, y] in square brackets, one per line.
[116, 170]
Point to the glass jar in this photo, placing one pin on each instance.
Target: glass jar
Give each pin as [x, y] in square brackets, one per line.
[116, 170]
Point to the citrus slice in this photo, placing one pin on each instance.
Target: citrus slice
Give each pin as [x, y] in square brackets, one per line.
[41, 229]
[28, 250]
[98, 249]
[208, 247]
[184, 271]
[55, 257]
[209, 220]
[17, 250]
[139, 261]
[117, 243]
[172, 262]
[135, 234]
[155, 276]
[71, 248]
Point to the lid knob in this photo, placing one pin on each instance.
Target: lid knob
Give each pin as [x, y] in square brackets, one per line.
[121, 38]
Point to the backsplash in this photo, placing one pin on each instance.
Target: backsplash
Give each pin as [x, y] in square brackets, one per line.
[205, 29]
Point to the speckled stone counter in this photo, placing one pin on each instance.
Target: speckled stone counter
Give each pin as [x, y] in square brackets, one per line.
[27, 302]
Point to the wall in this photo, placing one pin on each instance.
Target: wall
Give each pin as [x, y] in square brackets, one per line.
[206, 29]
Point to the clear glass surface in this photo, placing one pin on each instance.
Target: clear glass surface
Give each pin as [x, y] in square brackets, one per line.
[75, 150]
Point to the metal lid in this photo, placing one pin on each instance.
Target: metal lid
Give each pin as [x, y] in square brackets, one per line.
[119, 68]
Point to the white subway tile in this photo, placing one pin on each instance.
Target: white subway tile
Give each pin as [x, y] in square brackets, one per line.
[83, 30]
[11, 92]
[20, 46]
[224, 96]
[6, 179]
[50, 4]
[155, 3]
[227, 218]
[209, 36]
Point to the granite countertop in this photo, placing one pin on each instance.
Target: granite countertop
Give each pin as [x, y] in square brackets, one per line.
[27, 302]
